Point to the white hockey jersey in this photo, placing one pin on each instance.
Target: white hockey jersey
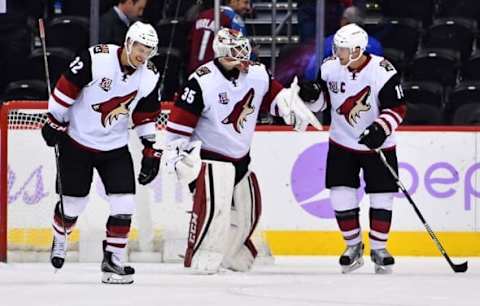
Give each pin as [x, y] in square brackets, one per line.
[97, 96]
[220, 108]
[358, 98]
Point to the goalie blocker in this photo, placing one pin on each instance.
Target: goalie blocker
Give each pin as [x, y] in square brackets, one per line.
[223, 219]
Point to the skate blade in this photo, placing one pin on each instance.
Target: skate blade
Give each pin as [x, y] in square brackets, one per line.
[383, 269]
[354, 266]
[115, 279]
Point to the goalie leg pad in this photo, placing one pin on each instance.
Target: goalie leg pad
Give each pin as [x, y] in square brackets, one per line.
[246, 211]
[210, 218]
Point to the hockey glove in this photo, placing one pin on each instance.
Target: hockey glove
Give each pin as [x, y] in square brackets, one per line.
[53, 131]
[373, 136]
[309, 91]
[150, 163]
[183, 159]
[293, 110]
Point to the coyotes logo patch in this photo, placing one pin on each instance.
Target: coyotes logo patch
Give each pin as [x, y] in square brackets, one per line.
[240, 112]
[355, 104]
[113, 108]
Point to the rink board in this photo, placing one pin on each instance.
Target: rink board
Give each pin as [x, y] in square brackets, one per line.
[440, 169]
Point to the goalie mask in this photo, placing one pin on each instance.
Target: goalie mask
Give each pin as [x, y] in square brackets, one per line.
[144, 34]
[346, 41]
[233, 47]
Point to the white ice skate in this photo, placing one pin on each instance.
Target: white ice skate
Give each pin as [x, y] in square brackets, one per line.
[114, 273]
[58, 252]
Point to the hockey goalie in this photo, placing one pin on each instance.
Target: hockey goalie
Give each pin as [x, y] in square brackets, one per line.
[208, 139]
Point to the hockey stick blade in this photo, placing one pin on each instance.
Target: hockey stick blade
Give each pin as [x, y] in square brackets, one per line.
[459, 268]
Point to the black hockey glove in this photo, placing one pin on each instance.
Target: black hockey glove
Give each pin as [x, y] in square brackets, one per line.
[373, 136]
[53, 131]
[309, 91]
[150, 163]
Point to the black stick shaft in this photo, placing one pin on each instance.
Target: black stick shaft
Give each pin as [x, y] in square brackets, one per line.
[456, 267]
[41, 28]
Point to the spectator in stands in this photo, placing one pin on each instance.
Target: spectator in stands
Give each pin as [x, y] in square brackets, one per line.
[351, 14]
[307, 14]
[115, 22]
[157, 10]
[201, 35]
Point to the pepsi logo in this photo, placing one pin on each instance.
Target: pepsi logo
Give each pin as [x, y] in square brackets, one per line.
[308, 182]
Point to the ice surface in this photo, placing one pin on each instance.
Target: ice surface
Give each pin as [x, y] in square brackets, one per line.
[290, 281]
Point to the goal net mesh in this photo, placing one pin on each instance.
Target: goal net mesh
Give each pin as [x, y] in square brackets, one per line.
[160, 222]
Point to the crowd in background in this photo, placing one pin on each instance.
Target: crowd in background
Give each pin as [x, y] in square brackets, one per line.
[183, 46]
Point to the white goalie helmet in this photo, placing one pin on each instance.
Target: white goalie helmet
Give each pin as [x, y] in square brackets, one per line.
[350, 37]
[143, 33]
[231, 43]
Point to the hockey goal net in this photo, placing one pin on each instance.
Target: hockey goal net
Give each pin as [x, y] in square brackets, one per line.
[27, 194]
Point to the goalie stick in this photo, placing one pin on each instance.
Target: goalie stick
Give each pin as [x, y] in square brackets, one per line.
[462, 267]
[41, 28]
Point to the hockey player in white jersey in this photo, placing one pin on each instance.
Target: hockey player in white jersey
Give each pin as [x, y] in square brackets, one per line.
[214, 121]
[88, 118]
[367, 105]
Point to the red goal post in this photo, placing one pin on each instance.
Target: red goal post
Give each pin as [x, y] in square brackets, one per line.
[26, 115]
[5, 109]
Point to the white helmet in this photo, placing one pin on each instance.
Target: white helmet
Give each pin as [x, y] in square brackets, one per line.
[350, 36]
[143, 33]
[232, 43]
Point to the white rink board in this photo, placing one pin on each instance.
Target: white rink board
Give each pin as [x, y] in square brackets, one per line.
[444, 166]
[440, 169]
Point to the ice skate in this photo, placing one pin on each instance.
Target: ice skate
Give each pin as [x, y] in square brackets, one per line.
[58, 252]
[383, 261]
[113, 271]
[352, 258]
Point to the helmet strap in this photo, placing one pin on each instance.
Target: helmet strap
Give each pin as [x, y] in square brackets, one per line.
[128, 49]
[351, 59]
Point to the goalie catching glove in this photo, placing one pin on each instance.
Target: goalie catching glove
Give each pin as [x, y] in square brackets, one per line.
[150, 162]
[183, 159]
[293, 109]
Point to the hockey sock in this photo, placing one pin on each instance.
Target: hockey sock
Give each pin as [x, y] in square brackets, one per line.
[380, 220]
[349, 224]
[58, 223]
[118, 227]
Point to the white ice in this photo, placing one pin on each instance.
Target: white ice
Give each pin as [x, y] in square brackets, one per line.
[290, 281]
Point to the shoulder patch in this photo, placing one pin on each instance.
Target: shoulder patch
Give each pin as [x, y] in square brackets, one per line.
[202, 71]
[330, 58]
[386, 65]
[151, 66]
[101, 49]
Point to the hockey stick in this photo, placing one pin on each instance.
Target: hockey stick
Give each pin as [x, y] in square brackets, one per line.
[57, 151]
[169, 49]
[462, 267]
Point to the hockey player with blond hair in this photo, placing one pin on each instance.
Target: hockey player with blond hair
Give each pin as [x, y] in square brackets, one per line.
[367, 106]
[209, 134]
[89, 114]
